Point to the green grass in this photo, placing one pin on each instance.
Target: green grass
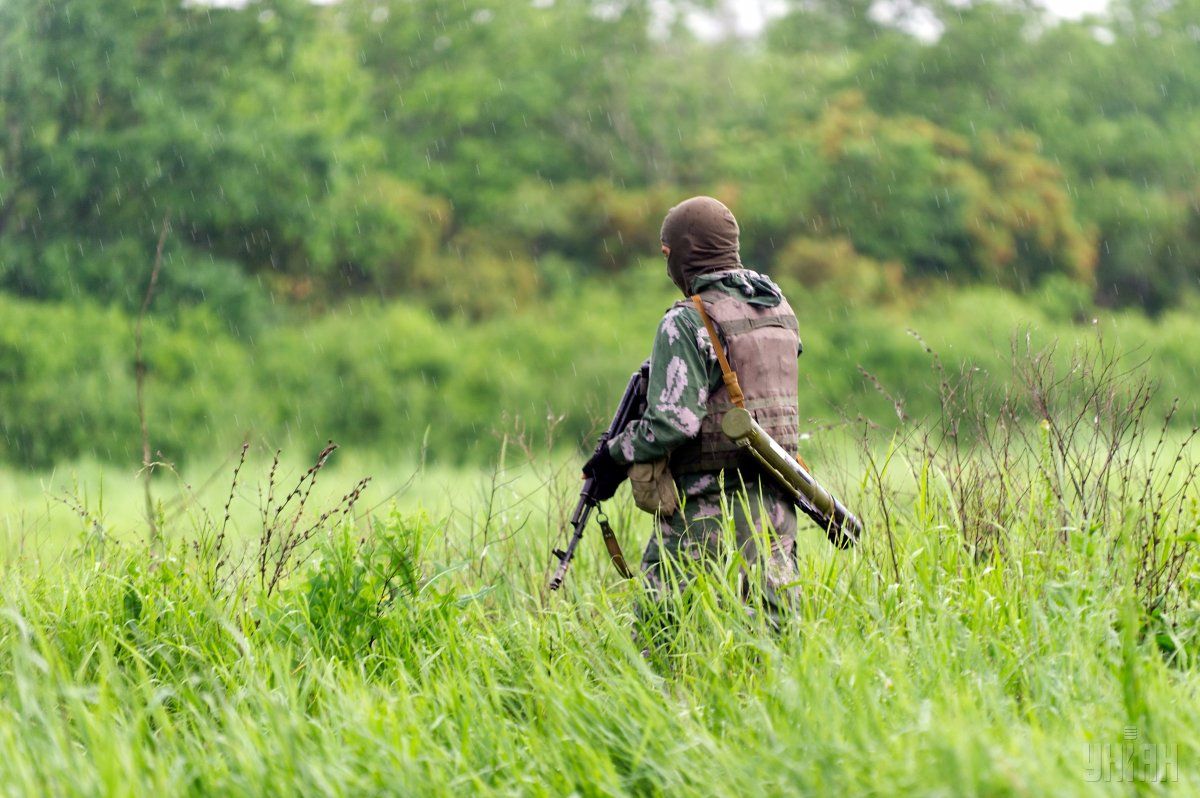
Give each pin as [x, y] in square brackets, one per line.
[127, 673]
[1021, 609]
[40, 510]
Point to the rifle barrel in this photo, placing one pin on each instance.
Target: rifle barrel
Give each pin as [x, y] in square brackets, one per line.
[579, 519]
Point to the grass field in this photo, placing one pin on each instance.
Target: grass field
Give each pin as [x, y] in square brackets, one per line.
[1024, 640]
[1023, 618]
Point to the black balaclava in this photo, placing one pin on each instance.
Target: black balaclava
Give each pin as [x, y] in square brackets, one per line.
[703, 237]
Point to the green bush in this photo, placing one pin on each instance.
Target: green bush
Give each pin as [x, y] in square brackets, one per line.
[392, 378]
[1146, 258]
[68, 384]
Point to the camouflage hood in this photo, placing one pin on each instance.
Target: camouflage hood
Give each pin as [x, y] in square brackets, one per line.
[744, 284]
[703, 237]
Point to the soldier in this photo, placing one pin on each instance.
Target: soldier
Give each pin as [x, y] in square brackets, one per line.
[681, 466]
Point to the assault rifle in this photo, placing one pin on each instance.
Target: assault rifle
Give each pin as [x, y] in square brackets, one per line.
[632, 407]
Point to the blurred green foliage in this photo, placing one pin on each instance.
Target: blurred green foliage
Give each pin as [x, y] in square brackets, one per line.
[395, 379]
[394, 216]
[440, 151]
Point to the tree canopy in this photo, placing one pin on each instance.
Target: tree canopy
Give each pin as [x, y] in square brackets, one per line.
[474, 154]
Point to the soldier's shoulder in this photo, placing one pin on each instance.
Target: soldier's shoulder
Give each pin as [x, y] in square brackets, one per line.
[683, 309]
[679, 320]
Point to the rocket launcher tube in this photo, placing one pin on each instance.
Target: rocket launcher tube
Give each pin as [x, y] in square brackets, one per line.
[840, 525]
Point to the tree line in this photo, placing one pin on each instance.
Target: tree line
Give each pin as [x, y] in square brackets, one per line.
[475, 155]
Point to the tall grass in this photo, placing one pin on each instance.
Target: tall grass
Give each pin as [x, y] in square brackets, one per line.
[995, 630]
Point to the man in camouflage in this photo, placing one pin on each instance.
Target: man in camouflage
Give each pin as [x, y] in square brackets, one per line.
[679, 440]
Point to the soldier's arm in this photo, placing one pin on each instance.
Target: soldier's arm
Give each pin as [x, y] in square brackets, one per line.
[682, 366]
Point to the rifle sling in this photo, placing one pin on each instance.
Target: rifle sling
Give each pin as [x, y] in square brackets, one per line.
[727, 373]
[614, 548]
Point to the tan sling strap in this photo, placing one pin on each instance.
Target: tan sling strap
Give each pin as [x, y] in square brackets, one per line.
[614, 548]
[727, 372]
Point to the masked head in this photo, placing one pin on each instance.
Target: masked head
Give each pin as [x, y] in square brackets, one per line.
[703, 237]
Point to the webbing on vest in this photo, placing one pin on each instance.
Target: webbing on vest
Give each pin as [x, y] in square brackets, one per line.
[727, 372]
[739, 326]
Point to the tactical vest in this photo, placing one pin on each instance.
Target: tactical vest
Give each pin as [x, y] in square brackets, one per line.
[762, 345]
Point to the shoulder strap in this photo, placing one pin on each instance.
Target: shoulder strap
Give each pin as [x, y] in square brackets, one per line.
[727, 373]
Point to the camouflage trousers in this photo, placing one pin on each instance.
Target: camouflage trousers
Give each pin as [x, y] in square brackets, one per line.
[763, 530]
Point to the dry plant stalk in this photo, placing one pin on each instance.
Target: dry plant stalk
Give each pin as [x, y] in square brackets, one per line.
[283, 533]
[148, 464]
[1068, 452]
[285, 528]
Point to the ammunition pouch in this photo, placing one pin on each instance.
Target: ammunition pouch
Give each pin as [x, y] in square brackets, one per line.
[654, 488]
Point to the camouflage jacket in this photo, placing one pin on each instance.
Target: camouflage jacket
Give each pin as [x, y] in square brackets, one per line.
[683, 371]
